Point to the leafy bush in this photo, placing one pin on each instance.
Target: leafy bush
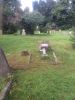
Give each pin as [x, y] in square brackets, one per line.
[10, 28]
[73, 36]
[31, 20]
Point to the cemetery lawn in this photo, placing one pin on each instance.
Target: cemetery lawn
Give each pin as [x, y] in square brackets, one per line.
[2, 83]
[42, 80]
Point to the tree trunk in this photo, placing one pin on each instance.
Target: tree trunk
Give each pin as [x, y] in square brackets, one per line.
[1, 11]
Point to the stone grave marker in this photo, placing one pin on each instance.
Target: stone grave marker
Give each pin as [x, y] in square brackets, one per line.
[4, 66]
[23, 32]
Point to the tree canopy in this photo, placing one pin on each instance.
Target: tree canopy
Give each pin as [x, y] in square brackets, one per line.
[11, 15]
[46, 14]
[31, 20]
[60, 12]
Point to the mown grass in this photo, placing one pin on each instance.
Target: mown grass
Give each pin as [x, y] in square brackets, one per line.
[43, 81]
[2, 83]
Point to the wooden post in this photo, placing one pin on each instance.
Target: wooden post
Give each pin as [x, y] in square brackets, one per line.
[55, 58]
[30, 56]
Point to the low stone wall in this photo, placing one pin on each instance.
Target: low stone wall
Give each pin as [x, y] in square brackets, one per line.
[6, 90]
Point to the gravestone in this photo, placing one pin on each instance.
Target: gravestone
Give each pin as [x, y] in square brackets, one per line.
[23, 32]
[4, 66]
[44, 48]
[37, 30]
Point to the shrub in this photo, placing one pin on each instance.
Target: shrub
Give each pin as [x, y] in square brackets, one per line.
[73, 36]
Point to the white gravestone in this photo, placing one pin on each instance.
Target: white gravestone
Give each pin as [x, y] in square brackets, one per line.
[43, 49]
[23, 32]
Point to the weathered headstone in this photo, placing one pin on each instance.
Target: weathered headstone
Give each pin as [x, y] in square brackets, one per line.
[43, 48]
[23, 32]
[37, 30]
[4, 66]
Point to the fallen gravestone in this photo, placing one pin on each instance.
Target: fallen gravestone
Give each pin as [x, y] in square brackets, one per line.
[4, 66]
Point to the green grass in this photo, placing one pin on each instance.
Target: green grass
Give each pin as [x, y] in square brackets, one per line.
[2, 83]
[43, 81]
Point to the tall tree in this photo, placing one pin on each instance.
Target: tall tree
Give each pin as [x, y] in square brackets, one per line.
[62, 14]
[1, 13]
[45, 8]
[11, 15]
[31, 20]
